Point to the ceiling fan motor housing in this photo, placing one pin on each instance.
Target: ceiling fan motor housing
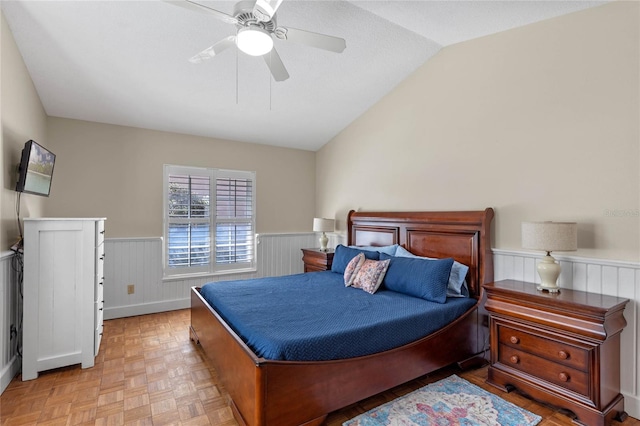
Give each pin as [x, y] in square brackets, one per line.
[243, 12]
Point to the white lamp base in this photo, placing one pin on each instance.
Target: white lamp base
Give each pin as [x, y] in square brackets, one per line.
[323, 242]
[549, 271]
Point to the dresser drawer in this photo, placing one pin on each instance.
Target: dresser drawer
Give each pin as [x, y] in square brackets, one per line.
[99, 295]
[99, 232]
[99, 277]
[552, 350]
[561, 375]
[97, 338]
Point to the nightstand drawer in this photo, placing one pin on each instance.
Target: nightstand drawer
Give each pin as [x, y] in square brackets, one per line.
[561, 375]
[552, 350]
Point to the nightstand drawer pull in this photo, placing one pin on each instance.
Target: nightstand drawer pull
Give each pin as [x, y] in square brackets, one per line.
[514, 340]
[564, 377]
[563, 355]
[514, 359]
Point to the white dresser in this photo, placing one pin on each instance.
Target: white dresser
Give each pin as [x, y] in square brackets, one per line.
[63, 293]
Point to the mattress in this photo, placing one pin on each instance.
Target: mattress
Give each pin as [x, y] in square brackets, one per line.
[314, 317]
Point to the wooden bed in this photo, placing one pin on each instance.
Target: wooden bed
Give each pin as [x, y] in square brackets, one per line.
[282, 393]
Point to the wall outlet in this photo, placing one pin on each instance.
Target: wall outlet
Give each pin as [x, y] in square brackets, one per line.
[131, 289]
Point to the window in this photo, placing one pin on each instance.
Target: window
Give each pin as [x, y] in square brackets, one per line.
[209, 217]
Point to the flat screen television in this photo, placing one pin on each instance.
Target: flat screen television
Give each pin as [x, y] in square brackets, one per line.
[36, 169]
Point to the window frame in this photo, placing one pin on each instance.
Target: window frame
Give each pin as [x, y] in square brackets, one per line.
[213, 268]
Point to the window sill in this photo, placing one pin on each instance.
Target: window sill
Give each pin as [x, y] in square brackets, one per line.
[184, 277]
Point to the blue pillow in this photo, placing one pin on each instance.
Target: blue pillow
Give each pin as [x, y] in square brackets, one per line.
[457, 286]
[390, 250]
[343, 256]
[423, 278]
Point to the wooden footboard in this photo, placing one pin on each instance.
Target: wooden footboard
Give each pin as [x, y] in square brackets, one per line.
[237, 366]
[284, 393]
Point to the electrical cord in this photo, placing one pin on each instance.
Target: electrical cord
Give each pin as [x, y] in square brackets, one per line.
[17, 265]
[18, 203]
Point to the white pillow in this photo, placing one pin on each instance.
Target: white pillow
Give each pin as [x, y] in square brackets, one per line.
[390, 250]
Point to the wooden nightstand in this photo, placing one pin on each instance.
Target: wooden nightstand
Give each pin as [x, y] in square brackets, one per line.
[560, 348]
[317, 260]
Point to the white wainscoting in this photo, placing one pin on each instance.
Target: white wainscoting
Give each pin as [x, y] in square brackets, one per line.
[138, 261]
[10, 313]
[612, 278]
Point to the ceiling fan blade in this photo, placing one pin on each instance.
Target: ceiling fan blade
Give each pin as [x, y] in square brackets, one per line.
[264, 10]
[278, 71]
[321, 41]
[191, 5]
[214, 50]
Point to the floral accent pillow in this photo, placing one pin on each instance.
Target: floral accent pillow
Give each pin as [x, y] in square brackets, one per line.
[352, 269]
[370, 275]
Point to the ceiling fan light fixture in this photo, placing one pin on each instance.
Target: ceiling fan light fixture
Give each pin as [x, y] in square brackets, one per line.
[254, 41]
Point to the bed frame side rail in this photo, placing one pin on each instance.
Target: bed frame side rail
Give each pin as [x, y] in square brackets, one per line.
[236, 365]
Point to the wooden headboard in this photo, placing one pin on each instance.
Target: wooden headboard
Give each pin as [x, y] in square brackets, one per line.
[464, 236]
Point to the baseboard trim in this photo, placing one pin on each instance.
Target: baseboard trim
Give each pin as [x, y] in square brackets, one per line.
[146, 308]
[632, 405]
[9, 372]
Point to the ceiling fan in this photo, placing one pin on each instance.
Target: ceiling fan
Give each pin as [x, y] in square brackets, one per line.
[256, 25]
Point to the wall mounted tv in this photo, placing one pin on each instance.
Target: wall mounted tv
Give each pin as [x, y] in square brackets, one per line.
[36, 169]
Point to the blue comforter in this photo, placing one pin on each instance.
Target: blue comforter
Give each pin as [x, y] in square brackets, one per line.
[314, 317]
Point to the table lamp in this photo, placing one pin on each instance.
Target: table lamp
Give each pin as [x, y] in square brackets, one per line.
[549, 236]
[323, 225]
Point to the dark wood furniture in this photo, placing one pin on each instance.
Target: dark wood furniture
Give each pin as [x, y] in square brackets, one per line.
[285, 393]
[317, 260]
[560, 348]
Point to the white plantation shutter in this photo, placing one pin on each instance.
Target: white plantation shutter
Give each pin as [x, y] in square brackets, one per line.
[189, 237]
[234, 219]
[209, 220]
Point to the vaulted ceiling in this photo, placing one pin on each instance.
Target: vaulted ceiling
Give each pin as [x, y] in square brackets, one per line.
[126, 62]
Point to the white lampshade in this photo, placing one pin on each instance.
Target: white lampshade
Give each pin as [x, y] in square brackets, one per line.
[548, 237]
[323, 225]
[254, 41]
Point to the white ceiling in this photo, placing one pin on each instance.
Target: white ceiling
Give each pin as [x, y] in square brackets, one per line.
[125, 62]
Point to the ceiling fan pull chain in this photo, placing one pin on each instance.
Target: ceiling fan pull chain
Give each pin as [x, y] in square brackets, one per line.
[236, 76]
[269, 76]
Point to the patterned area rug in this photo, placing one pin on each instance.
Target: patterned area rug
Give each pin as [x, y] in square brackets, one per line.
[451, 401]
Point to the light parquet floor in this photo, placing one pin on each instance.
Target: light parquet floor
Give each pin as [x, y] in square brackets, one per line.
[148, 372]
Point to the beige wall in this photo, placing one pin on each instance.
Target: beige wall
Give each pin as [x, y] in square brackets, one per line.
[540, 122]
[23, 118]
[115, 171]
